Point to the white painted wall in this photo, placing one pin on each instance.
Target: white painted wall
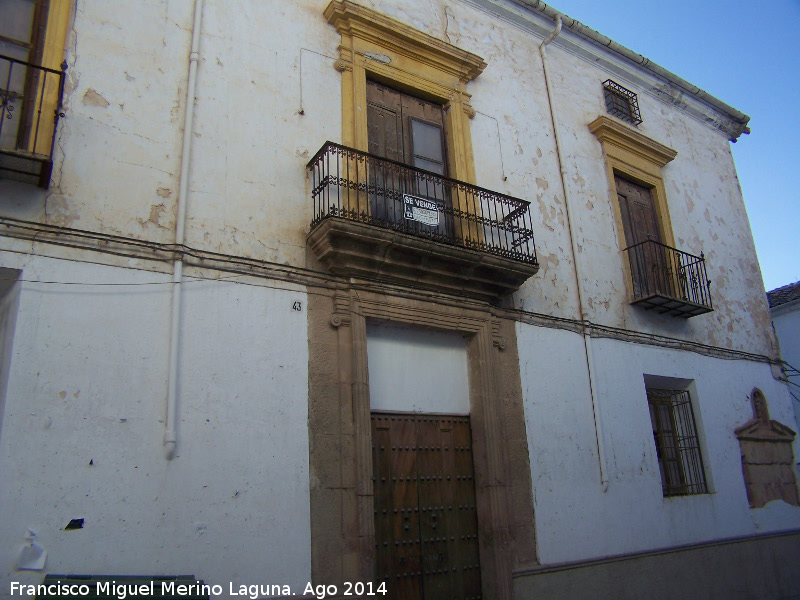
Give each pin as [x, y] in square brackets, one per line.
[414, 370]
[83, 429]
[575, 519]
[786, 320]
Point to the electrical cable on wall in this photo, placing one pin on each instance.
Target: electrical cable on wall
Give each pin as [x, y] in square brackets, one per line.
[301, 110]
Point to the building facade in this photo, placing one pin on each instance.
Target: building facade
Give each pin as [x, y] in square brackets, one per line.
[456, 295]
[784, 307]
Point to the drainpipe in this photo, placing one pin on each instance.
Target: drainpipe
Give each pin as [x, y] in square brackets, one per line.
[587, 340]
[170, 436]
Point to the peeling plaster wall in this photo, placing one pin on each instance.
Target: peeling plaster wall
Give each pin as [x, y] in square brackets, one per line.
[574, 519]
[705, 203]
[251, 146]
[118, 154]
[513, 138]
[119, 148]
[83, 428]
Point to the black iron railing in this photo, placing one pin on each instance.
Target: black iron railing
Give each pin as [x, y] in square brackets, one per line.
[353, 185]
[30, 106]
[662, 271]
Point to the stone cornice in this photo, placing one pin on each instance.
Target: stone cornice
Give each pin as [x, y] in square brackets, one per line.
[612, 132]
[354, 20]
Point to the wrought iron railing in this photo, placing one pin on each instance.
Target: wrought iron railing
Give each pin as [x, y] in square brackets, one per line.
[30, 107]
[659, 270]
[353, 185]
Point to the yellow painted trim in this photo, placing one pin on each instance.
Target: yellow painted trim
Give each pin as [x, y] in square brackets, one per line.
[55, 43]
[417, 63]
[636, 157]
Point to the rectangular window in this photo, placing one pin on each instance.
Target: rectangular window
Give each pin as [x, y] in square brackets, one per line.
[677, 443]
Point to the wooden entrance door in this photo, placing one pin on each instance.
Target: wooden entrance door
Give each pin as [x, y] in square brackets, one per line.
[649, 266]
[408, 130]
[426, 524]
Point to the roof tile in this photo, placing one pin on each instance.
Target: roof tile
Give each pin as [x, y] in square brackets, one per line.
[783, 295]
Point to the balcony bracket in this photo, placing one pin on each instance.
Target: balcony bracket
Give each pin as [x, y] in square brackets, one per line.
[361, 250]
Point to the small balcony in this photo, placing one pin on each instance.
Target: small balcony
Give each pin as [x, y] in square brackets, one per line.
[30, 107]
[669, 281]
[375, 218]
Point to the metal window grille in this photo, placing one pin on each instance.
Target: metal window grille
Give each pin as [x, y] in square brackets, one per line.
[677, 444]
[621, 102]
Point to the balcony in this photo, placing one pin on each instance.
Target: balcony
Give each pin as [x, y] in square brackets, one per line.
[669, 281]
[30, 107]
[375, 218]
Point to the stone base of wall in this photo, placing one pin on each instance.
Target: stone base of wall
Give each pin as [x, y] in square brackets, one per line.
[750, 568]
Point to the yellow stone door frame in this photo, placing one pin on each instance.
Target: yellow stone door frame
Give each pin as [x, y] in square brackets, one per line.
[59, 13]
[378, 47]
[640, 159]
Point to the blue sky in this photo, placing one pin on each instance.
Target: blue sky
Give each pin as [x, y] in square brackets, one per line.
[747, 55]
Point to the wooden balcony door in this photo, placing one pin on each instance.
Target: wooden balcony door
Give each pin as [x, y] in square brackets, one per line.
[411, 131]
[426, 525]
[649, 262]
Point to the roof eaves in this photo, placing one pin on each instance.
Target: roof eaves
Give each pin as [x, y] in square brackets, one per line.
[784, 295]
[595, 37]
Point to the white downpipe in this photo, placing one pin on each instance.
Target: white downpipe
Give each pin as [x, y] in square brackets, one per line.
[587, 340]
[170, 435]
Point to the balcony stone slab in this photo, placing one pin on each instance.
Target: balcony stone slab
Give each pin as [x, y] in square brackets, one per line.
[365, 251]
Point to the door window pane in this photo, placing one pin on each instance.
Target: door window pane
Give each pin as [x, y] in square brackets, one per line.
[427, 141]
[429, 165]
[16, 19]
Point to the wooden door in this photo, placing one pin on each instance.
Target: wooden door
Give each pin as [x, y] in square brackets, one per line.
[405, 128]
[385, 138]
[638, 210]
[426, 525]
[649, 266]
[408, 130]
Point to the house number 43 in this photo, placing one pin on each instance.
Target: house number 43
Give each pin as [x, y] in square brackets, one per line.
[298, 306]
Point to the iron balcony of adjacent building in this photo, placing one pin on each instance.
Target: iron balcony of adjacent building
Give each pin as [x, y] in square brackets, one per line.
[30, 107]
[376, 218]
[669, 281]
